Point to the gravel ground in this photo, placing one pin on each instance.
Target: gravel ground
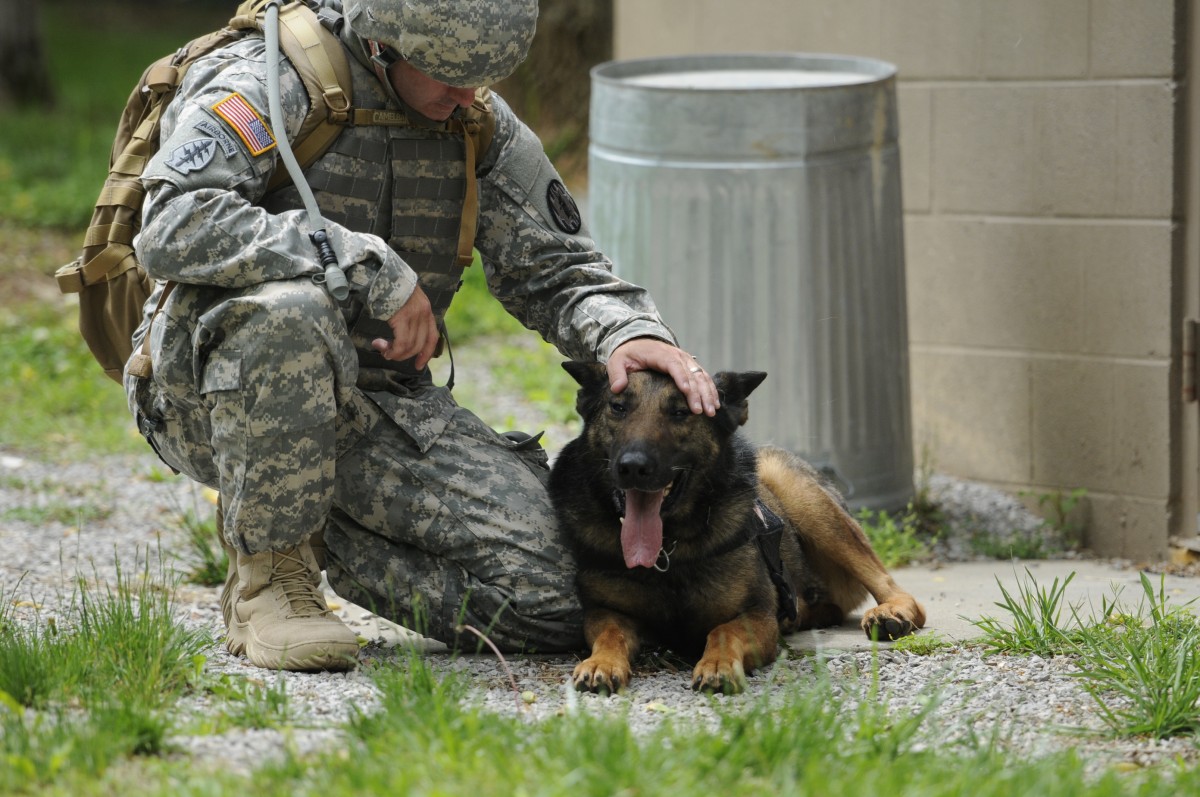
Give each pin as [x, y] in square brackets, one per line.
[57, 521]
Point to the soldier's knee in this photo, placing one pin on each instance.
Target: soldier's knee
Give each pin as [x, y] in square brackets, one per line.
[287, 335]
[293, 313]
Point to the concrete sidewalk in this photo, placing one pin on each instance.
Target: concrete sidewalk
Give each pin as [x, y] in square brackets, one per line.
[955, 594]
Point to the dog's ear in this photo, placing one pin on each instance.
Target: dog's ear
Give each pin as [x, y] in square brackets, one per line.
[593, 382]
[587, 374]
[734, 388]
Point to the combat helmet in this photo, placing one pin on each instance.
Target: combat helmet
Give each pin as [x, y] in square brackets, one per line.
[464, 43]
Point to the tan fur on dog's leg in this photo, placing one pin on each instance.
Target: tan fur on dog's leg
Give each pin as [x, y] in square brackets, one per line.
[834, 536]
[614, 641]
[734, 649]
[898, 612]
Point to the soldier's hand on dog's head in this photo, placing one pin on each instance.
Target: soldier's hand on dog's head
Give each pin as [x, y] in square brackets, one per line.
[641, 354]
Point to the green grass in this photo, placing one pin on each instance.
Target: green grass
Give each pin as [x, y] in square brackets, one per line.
[203, 541]
[101, 720]
[896, 538]
[520, 361]
[475, 313]
[1140, 664]
[199, 523]
[80, 695]
[53, 161]
[1011, 546]
[802, 740]
[57, 402]
[57, 512]
[1039, 619]
[1149, 658]
[253, 704]
[925, 643]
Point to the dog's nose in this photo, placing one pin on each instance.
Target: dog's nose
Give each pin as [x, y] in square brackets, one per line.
[634, 465]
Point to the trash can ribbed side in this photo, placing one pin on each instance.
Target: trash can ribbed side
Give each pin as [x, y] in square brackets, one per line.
[758, 198]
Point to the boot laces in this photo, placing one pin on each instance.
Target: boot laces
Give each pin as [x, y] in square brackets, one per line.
[295, 582]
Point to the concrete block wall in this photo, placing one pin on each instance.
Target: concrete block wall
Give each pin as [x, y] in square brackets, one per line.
[1041, 160]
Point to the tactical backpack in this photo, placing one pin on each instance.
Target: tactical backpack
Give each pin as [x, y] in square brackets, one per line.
[112, 285]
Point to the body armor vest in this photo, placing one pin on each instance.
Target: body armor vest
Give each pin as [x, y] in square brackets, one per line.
[417, 205]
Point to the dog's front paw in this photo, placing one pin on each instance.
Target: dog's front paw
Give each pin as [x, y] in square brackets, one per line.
[716, 673]
[893, 619]
[602, 673]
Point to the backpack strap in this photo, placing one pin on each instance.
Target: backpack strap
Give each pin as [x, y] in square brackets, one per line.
[478, 125]
[320, 59]
[140, 363]
[469, 221]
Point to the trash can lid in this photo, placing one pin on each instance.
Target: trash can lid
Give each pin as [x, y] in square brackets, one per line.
[748, 79]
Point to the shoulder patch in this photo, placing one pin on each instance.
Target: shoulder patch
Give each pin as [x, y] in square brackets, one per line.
[224, 139]
[563, 208]
[246, 122]
[192, 156]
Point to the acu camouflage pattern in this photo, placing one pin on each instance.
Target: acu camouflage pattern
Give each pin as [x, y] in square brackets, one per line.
[465, 43]
[265, 389]
[463, 534]
[416, 205]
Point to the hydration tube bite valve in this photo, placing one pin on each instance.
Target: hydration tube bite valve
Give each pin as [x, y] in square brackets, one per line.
[335, 278]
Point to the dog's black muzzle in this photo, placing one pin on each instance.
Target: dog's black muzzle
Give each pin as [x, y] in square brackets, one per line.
[636, 467]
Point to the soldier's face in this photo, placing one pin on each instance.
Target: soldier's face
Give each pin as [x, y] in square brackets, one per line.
[428, 97]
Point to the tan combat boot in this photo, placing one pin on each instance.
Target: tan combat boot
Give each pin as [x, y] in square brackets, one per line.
[229, 590]
[279, 617]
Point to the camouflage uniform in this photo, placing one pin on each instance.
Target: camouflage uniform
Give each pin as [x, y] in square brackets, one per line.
[268, 390]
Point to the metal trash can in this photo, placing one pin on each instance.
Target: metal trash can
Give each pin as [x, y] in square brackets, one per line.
[757, 196]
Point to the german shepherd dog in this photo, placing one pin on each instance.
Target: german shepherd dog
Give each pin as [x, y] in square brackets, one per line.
[688, 536]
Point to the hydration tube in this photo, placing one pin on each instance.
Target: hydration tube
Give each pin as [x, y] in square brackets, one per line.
[334, 278]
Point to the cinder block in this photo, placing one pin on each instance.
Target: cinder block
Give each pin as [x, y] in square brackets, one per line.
[1127, 527]
[932, 39]
[1063, 287]
[1099, 150]
[927, 39]
[1035, 39]
[1101, 425]
[1133, 39]
[644, 30]
[668, 27]
[972, 414]
[983, 137]
[848, 27]
[915, 111]
[1143, 185]
[1122, 307]
[988, 285]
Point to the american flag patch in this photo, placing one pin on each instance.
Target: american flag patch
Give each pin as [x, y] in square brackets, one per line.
[249, 126]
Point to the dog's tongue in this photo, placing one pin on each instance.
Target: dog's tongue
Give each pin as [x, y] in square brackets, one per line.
[641, 530]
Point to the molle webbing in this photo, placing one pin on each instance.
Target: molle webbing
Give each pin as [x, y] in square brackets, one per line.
[112, 286]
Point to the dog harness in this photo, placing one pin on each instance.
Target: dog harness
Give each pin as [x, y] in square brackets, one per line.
[767, 536]
[765, 529]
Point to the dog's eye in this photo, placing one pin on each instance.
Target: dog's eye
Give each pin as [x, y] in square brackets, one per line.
[680, 413]
[618, 407]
